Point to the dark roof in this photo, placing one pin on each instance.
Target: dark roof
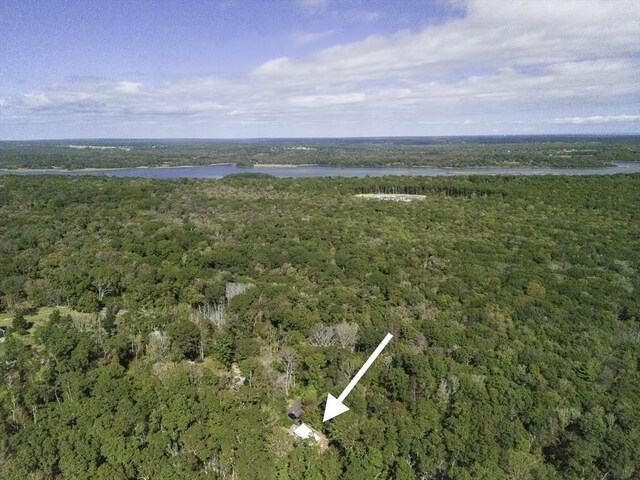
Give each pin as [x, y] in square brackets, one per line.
[295, 409]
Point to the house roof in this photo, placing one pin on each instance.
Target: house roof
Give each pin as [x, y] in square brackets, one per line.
[295, 409]
[303, 431]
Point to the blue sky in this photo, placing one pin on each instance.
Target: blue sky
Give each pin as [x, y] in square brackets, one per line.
[317, 68]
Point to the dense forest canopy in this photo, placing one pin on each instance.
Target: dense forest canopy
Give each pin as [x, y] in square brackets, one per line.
[130, 306]
[536, 151]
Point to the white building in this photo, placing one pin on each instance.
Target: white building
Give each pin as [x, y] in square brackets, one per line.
[304, 431]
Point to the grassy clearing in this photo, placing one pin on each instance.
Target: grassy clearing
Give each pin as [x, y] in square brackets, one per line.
[41, 317]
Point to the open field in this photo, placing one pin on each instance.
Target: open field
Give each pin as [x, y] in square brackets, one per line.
[41, 316]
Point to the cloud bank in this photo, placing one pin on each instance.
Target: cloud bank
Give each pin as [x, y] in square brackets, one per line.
[505, 67]
[597, 119]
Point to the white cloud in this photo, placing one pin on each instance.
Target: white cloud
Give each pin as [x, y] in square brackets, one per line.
[324, 100]
[129, 87]
[36, 100]
[596, 119]
[494, 34]
[302, 38]
[515, 61]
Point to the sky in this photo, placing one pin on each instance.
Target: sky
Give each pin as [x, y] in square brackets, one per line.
[317, 68]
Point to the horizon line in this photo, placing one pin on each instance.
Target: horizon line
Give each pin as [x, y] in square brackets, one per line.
[363, 137]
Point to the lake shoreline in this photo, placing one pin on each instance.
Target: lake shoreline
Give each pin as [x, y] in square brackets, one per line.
[107, 169]
[284, 166]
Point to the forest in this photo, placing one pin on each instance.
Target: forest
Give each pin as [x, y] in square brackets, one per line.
[156, 329]
[532, 151]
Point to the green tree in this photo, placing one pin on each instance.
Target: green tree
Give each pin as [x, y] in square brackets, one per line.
[20, 324]
[185, 338]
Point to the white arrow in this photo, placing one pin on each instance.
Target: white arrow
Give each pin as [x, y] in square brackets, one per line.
[334, 405]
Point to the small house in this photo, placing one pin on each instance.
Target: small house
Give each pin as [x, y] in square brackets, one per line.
[305, 432]
[294, 410]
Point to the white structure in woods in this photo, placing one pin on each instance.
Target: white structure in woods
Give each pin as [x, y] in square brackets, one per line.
[305, 432]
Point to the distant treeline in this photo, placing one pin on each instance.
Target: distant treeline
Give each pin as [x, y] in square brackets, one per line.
[438, 152]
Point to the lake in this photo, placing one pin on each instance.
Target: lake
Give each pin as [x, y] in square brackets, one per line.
[220, 171]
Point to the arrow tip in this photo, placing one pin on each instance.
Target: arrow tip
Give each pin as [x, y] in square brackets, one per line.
[333, 408]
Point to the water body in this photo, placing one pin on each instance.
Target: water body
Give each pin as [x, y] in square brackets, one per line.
[220, 171]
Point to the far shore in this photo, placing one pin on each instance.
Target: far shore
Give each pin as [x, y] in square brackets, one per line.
[302, 165]
[101, 169]
[283, 165]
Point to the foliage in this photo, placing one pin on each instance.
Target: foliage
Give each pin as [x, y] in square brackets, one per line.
[512, 300]
[19, 323]
[536, 151]
[185, 338]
